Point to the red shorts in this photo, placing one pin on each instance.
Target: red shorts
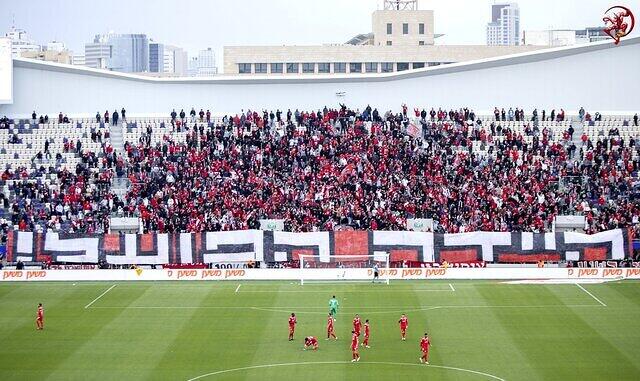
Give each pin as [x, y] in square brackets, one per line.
[403, 329]
[39, 318]
[355, 349]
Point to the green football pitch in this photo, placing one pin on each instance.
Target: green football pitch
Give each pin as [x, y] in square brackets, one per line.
[232, 331]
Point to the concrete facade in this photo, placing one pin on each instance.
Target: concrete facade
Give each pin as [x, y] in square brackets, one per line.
[428, 55]
[404, 27]
[63, 57]
[598, 76]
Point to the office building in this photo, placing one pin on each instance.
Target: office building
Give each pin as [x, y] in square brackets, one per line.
[98, 52]
[78, 59]
[63, 57]
[20, 42]
[129, 53]
[206, 63]
[156, 57]
[175, 60]
[549, 37]
[192, 67]
[402, 38]
[504, 28]
[55, 46]
[563, 37]
[591, 34]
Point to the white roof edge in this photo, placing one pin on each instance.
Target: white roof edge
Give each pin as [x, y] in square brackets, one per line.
[510, 59]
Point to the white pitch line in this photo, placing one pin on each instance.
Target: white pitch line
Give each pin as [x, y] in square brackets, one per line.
[237, 288]
[590, 294]
[360, 364]
[301, 310]
[452, 289]
[100, 296]
[377, 290]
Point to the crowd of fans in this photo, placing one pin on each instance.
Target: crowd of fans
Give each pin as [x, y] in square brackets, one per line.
[340, 168]
[51, 197]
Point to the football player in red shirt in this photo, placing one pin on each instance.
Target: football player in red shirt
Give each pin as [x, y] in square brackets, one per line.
[310, 341]
[354, 347]
[357, 324]
[292, 325]
[365, 343]
[404, 323]
[330, 330]
[425, 343]
[40, 317]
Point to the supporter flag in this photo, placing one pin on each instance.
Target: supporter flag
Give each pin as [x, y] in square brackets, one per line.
[413, 130]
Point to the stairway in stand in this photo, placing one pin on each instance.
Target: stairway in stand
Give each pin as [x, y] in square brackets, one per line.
[120, 185]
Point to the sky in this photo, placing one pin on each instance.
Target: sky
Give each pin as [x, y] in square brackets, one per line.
[198, 24]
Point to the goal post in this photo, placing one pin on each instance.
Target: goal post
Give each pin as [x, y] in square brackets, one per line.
[344, 268]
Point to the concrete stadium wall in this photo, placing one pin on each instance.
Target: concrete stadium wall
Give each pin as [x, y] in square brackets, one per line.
[600, 77]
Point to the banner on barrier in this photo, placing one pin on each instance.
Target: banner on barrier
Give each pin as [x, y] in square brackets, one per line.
[279, 246]
[528, 273]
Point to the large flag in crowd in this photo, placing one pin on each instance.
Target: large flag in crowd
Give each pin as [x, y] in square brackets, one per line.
[277, 246]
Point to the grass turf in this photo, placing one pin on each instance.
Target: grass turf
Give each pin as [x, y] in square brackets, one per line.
[182, 330]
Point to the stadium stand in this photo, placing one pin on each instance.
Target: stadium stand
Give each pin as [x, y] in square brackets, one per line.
[325, 170]
[57, 175]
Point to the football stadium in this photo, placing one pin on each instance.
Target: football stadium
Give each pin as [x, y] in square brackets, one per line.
[406, 205]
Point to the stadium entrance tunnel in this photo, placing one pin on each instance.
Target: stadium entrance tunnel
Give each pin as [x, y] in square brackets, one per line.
[427, 371]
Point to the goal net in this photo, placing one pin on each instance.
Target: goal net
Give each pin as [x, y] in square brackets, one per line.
[345, 268]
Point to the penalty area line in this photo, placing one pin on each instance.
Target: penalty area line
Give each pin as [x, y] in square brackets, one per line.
[590, 294]
[99, 296]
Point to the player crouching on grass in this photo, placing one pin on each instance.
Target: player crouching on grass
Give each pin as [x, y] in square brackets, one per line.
[310, 341]
[330, 329]
[425, 343]
[354, 347]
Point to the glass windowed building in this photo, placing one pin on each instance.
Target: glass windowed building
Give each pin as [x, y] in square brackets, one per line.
[129, 53]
